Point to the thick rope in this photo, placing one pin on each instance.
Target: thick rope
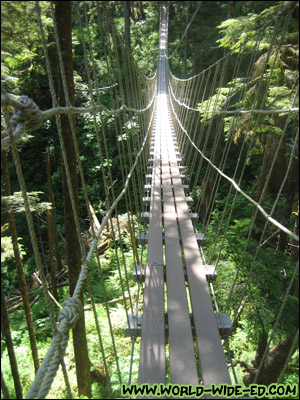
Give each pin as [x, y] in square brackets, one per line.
[250, 111]
[257, 205]
[67, 318]
[29, 117]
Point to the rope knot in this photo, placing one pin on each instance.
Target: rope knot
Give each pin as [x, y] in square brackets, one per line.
[30, 116]
[72, 308]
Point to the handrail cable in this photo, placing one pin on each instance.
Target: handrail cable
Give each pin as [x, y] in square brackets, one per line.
[239, 111]
[251, 144]
[230, 179]
[260, 200]
[257, 205]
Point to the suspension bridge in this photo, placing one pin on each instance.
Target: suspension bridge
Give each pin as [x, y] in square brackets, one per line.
[182, 332]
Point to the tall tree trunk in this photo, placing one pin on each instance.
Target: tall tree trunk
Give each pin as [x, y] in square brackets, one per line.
[197, 61]
[22, 280]
[295, 244]
[273, 364]
[186, 36]
[210, 186]
[230, 9]
[64, 24]
[53, 213]
[127, 25]
[279, 169]
[10, 347]
[4, 388]
[292, 187]
[141, 11]
[51, 253]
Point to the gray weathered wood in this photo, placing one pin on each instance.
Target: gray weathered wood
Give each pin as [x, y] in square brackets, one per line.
[183, 369]
[143, 238]
[133, 327]
[139, 273]
[213, 364]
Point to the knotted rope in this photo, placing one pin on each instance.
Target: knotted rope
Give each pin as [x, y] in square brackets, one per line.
[26, 118]
[30, 116]
[67, 318]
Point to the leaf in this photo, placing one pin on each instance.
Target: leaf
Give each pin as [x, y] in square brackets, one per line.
[17, 203]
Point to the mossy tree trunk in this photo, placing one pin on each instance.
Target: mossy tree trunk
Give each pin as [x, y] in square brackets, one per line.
[64, 24]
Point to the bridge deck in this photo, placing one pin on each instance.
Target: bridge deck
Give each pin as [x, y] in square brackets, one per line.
[172, 242]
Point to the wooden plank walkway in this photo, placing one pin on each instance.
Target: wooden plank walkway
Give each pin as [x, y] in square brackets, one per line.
[183, 369]
[172, 243]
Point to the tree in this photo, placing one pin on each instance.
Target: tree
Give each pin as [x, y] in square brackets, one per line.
[273, 85]
[199, 49]
[64, 24]
[127, 25]
[272, 366]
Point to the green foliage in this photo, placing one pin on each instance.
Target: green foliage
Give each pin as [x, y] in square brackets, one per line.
[44, 334]
[272, 84]
[21, 64]
[250, 273]
[9, 274]
[7, 248]
[241, 33]
[200, 49]
[16, 202]
[144, 33]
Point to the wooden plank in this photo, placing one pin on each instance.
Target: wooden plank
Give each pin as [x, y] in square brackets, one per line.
[145, 216]
[133, 327]
[139, 273]
[147, 200]
[212, 360]
[143, 238]
[183, 369]
[152, 366]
